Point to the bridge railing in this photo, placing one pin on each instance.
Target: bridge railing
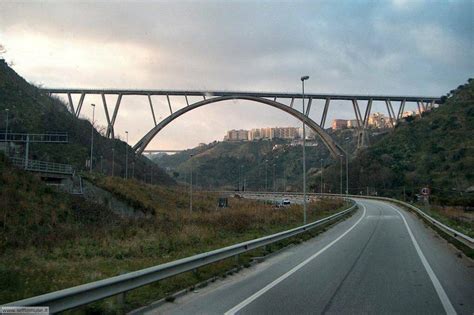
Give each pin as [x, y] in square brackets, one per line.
[60, 137]
[84, 294]
[42, 166]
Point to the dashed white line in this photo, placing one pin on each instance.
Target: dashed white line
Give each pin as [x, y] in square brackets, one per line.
[259, 293]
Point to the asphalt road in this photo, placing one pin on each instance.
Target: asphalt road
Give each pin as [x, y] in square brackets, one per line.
[382, 260]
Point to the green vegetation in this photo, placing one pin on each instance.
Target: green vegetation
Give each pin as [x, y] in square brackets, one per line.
[32, 111]
[51, 240]
[218, 164]
[436, 151]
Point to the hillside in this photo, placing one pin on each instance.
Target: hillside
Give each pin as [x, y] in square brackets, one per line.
[436, 151]
[52, 240]
[217, 165]
[33, 111]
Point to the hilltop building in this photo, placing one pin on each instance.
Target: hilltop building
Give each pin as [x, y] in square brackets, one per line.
[237, 135]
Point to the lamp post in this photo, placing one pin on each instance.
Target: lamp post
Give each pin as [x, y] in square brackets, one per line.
[113, 161]
[240, 177]
[347, 175]
[304, 78]
[340, 184]
[92, 135]
[266, 177]
[321, 177]
[6, 133]
[191, 186]
[126, 157]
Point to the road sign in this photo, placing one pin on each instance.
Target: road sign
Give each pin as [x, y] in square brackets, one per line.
[425, 191]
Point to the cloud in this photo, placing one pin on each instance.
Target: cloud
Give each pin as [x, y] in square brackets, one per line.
[346, 47]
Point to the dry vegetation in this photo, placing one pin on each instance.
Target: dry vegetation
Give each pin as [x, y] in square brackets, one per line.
[51, 241]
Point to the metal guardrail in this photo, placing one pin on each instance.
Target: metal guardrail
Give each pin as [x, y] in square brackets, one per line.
[465, 239]
[84, 294]
[42, 166]
[59, 137]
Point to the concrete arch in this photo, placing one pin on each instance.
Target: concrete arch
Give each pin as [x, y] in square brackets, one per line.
[333, 147]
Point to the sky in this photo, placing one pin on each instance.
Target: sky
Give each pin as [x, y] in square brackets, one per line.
[398, 47]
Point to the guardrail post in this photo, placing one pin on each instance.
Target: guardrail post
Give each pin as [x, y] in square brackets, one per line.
[237, 259]
[121, 299]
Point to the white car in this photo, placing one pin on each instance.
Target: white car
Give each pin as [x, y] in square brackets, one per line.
[286, 202]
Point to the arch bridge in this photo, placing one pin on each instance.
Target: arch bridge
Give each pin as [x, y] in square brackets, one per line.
[282, 101]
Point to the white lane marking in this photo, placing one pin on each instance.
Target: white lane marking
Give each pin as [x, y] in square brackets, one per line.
[256, 295]
[448, 307]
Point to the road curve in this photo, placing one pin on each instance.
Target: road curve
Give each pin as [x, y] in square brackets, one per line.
[382, 260]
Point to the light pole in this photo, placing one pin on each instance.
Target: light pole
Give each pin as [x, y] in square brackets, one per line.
[191, 186]
[321, 177]
[126, 157]
[92, 135]
[113, 161]
[347, 175]
[266, 177]
[340, 184]
[304, 78]
[6, 133]
[240, 177]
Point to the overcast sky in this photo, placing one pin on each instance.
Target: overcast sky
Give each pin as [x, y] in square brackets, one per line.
[386, 47]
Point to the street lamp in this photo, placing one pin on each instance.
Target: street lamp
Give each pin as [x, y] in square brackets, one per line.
[191, 186]
[266, 177]
[321, 177]
[126, 157]
[340, 184]
[92, 135]
[6, 133]
[304, 78]
[113, 161]
[347, 175]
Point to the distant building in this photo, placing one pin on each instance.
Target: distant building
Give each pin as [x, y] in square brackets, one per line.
[408, 114]
[352, 123]
[237, 135]
[285, 132]
[379, 121]
[338, 124]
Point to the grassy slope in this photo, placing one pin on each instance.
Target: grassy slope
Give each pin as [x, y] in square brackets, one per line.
[51, 240]
[218, 164]
[436, 151]
[35, 112]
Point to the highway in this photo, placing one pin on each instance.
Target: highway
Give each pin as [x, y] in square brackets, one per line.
[382, 260]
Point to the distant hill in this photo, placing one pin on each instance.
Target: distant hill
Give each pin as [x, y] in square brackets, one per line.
[33, 111]
[436, 151]
[223, 165]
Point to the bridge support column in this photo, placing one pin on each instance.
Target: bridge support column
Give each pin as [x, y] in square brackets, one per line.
[325, 112]
[79, 105]
[151, 107]
[71, 104]
[110, 129]
[401, 110]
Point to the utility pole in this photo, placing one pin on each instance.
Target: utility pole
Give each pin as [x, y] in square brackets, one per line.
[304, 78]
[266, 177]
[113, 161]
[6, 133]
[126, 157]
[191, 186]
[347, 175]
[321, 177]
[92, 135]
[340, 185]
